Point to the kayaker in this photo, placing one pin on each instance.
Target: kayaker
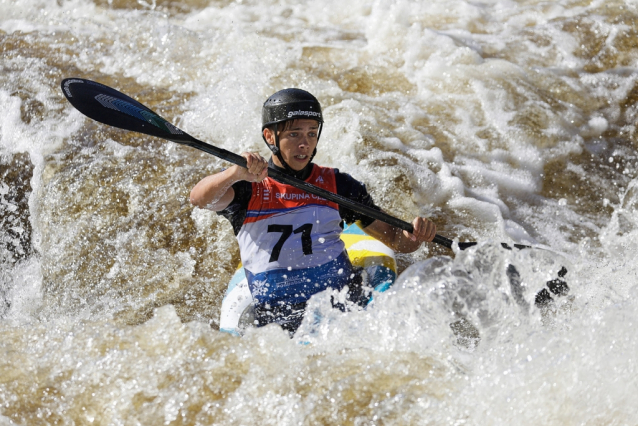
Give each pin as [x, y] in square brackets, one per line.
[288, 239]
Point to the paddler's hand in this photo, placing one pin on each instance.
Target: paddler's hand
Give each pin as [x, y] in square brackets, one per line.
[399, 240]
[424, 230]
[256, 167]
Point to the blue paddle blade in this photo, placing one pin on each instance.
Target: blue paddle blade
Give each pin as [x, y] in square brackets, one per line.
[108, 106]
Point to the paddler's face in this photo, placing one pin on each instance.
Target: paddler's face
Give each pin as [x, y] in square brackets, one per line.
[297, 141]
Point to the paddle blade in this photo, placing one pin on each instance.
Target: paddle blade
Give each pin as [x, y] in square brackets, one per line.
[108, 106]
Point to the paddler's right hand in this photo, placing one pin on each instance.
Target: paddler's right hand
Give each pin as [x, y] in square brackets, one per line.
[256, 168]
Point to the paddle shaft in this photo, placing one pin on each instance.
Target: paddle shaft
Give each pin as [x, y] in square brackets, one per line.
[330, 196]
[312, 189]
[109, 106]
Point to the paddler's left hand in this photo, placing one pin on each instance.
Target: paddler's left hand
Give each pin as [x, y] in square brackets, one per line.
[424, 230]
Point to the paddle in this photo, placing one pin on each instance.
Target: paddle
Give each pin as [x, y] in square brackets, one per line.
[108, 106]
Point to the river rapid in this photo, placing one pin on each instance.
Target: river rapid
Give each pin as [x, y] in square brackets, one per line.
[503, 121]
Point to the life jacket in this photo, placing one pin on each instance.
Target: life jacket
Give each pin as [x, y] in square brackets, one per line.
[290, 241]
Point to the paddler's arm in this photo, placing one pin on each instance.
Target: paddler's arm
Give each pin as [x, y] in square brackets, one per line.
[399, 240]
[215, 192]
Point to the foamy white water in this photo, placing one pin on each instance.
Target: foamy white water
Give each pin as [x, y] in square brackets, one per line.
[503, 121]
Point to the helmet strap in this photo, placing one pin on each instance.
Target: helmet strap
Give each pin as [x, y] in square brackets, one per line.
[273, 148]
[277, 151]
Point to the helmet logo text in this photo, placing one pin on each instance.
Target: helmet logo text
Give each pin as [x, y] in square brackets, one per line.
[306, 113]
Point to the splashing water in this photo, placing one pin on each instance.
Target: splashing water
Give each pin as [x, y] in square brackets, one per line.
[501, 121]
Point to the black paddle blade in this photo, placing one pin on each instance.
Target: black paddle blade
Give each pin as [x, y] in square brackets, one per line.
[108, 106]
[448, 243]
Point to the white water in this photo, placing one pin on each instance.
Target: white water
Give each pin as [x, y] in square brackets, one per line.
[503, 121]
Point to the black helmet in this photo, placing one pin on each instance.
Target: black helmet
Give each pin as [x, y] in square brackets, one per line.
[290, 104]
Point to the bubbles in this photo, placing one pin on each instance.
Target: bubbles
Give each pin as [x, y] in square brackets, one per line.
[598, 125]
